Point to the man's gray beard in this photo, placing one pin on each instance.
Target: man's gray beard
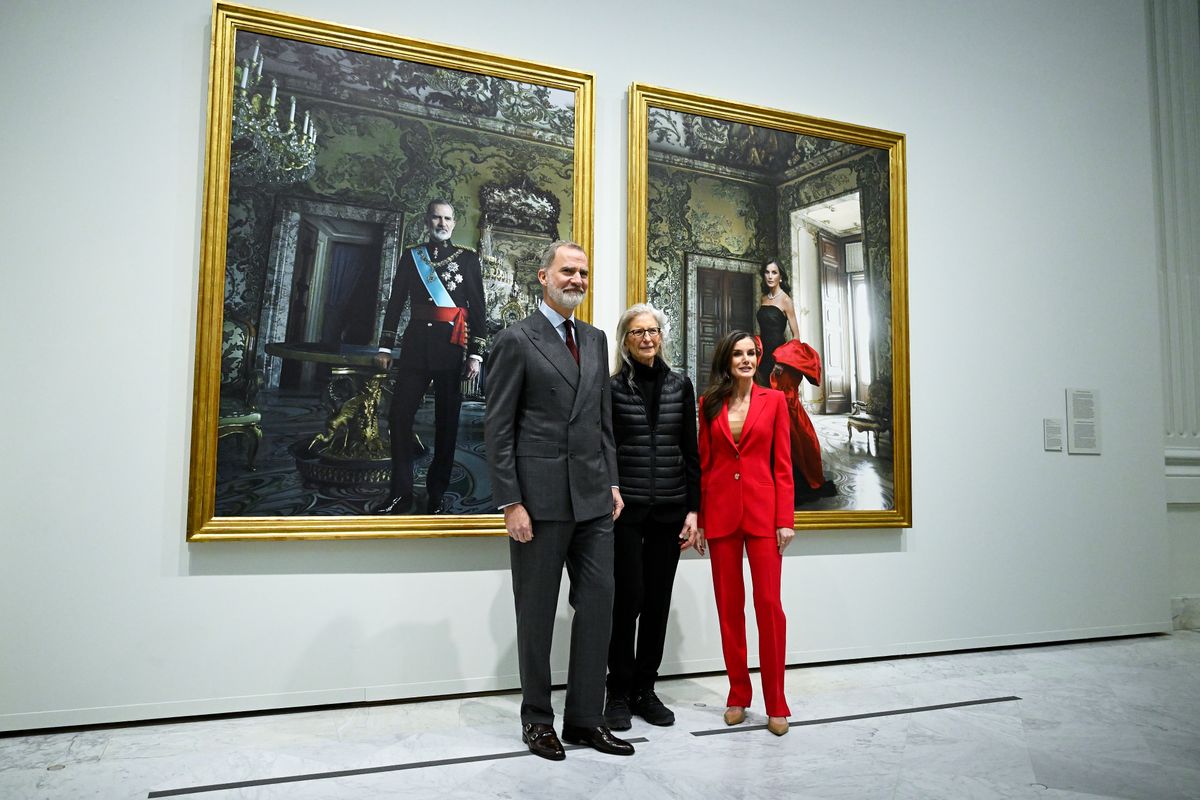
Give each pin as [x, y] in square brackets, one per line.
[441, 236]
[565, 300]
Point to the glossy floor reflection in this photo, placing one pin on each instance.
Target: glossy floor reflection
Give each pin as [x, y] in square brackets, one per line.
[1109, 719]
[863, 475]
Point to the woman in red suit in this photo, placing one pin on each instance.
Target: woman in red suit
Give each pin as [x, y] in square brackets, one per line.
[746, 505]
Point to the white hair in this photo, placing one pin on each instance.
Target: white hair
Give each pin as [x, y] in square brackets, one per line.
[626, 320]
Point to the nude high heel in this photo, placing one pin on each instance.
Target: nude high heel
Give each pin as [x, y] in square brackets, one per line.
[735, 715]
[777, 725]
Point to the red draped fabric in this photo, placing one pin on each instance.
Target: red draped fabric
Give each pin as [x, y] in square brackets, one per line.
[795, 361]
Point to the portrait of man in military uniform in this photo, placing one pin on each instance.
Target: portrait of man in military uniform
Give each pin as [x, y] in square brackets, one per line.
[441, 284]
[366, 275]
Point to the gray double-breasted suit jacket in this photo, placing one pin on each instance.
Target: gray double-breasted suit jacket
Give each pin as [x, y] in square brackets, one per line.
[548, 433]
[548, 426]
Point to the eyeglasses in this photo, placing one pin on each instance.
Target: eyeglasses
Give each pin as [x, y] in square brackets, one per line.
[638, 333]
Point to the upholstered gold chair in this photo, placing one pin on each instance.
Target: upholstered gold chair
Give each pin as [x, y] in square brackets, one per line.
[239, 414]
[874, 416]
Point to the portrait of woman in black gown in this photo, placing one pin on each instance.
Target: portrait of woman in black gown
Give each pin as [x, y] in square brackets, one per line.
[798, 361]
[776, 317]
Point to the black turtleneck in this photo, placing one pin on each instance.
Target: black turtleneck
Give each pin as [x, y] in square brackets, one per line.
[649, 380]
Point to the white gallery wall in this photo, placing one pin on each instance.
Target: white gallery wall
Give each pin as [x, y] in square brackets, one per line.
[1032, 267]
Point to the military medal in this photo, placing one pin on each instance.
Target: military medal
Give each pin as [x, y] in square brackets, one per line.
[450, 277]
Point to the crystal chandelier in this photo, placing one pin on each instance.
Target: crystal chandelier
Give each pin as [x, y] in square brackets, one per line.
[265, 150]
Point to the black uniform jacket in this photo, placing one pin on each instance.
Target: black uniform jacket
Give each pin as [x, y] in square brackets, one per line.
[426, 344]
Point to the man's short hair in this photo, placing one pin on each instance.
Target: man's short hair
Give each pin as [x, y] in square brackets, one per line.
[440, 201]
[553, 248]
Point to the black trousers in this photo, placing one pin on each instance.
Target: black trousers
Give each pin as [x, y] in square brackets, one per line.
[586, 548]
[410, 389]
[646, 556]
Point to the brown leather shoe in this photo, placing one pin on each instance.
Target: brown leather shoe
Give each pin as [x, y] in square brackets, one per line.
[542, 740]
[777, 725]
[735, 715]
[598, 738]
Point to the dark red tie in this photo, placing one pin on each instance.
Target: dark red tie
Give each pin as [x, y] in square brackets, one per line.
[567, 326]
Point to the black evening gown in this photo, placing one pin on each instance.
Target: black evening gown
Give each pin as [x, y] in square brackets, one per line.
[772, 329]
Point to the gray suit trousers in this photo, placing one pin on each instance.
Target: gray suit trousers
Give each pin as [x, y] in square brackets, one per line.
[586, 548]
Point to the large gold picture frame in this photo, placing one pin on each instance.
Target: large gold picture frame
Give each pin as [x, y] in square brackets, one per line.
[719, 189]
[326, 145]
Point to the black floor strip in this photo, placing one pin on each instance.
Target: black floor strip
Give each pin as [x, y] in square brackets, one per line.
[344, 773]
[795, 723]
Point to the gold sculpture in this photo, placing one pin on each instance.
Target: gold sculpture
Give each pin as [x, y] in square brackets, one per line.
[357, 423]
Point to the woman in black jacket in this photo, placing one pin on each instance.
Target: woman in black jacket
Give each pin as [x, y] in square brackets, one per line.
[654, 425]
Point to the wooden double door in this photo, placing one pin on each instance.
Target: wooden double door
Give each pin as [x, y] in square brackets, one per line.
[725, 302]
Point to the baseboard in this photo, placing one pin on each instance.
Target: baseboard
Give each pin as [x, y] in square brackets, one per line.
[487, 683]
[102, 715]
[138, 712]
[930, 647]
[933, 646]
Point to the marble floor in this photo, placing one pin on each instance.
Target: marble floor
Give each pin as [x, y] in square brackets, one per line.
[864, 478]
[1107, 719]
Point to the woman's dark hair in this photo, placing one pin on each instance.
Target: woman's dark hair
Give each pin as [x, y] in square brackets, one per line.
[720, 379]
[784, 282]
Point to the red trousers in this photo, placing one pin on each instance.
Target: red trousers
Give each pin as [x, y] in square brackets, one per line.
[766, 564]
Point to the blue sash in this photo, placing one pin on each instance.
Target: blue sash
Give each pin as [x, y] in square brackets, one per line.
[429, 277]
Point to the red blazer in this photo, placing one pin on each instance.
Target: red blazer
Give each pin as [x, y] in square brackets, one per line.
[741, 486]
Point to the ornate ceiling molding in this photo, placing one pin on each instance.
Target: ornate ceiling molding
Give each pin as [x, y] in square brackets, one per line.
[456, 97]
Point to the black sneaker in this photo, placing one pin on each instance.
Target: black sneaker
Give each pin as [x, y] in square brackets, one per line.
[616, 713]
[647, 706]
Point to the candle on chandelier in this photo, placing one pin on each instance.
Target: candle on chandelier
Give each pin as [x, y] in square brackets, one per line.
[292, 113]
[254, 58]
[245, 74]
[274, 89]
[306, 123]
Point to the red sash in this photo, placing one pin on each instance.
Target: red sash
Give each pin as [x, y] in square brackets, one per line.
[455, 315]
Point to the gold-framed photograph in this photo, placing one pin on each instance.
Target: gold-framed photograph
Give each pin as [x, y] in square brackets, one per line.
[374, 211]
[793, 229]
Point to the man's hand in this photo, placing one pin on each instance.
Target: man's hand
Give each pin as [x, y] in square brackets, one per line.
[517, 523]
[687, 534]
[785, 536]
[471, 368]
[618, 503]
[383, 360]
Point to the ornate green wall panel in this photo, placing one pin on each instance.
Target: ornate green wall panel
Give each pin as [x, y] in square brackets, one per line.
[394, 163]
[693, 213]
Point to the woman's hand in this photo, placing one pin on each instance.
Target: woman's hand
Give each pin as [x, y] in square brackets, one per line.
[618, 503]
[784, 536]
[687, 534]
[699, 543]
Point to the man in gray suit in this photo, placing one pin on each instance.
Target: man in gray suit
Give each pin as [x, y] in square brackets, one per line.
[553, 467]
